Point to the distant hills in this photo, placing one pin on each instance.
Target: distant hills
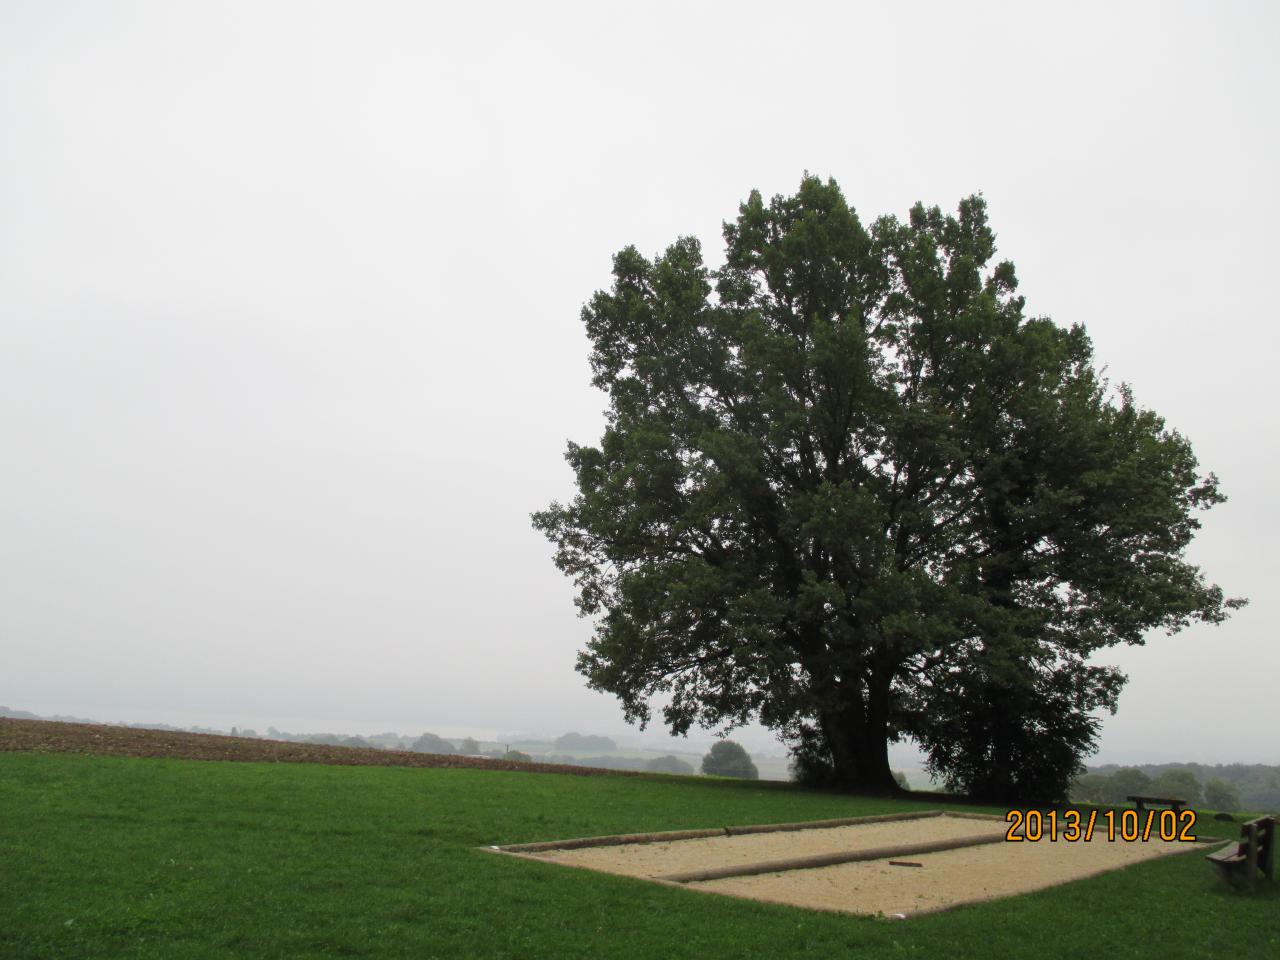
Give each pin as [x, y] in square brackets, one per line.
[1258, 783]
[577, 749]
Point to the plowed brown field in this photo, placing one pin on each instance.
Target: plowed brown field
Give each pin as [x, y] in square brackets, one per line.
[50, 736]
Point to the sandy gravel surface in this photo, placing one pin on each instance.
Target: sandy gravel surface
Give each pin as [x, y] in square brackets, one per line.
[946, 879]
[679, 856]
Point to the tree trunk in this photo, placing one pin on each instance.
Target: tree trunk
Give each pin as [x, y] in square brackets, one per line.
[857, 735]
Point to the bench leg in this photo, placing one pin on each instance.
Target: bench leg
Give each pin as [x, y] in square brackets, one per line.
[1269, 861]
[1251, 857]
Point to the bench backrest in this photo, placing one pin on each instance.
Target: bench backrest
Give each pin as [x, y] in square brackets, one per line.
[1259, 837]
[1265, 827]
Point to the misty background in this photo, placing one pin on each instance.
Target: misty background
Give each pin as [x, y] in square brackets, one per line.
[289, 334]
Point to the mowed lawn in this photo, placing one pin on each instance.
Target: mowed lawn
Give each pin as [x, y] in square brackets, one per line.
[120, 857]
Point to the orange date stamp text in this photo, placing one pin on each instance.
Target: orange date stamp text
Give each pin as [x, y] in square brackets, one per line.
[1080, 826]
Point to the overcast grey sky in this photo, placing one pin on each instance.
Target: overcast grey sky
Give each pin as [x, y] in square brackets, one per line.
[289, 334]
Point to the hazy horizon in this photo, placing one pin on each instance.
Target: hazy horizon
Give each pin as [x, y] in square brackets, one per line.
[289, 333]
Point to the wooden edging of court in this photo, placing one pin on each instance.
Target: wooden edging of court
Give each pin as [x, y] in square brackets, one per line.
[528, 851]
[830, 859]
[665, 836]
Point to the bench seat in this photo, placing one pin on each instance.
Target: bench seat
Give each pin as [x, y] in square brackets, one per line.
[1254, 853]
[1231, 854]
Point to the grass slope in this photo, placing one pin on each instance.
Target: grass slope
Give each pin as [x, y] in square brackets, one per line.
[120, 857]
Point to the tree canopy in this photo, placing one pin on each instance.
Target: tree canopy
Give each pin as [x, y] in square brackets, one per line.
[1221, 795]
[430, 743]
[848, 488]
[1181, 784]
[729, 759]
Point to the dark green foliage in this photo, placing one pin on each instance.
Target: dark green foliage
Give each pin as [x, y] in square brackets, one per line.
[1091, 788]
[469, 746]
[848, 488]
[430, 743]
[1181, 784]
[999, 739]
[669, 764]
[155, 860]
[729, 759]
[1221, 795]
[812, 764]
[1127, 782]
[1258, 784]
[517, 755]
[1170, 782]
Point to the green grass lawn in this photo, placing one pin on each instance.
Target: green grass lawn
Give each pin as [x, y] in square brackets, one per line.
[115, 857]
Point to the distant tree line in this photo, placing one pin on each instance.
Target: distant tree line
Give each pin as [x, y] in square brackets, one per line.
[578, 741]
[430, 743]
[468, 746]
[1217, 793]
[427, 742]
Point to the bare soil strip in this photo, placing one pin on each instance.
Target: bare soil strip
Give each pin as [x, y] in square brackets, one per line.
[50, 736]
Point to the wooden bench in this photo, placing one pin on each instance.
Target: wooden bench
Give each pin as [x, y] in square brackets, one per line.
[1255, 851]
[1142, 802]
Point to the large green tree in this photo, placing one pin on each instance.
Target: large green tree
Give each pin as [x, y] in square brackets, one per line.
[847, 488]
